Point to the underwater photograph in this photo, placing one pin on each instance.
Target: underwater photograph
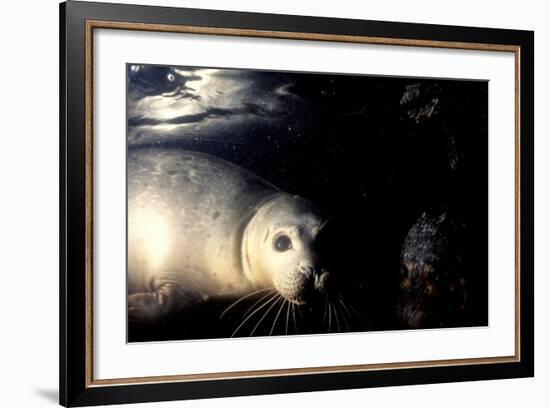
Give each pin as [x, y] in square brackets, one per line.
[269, 203]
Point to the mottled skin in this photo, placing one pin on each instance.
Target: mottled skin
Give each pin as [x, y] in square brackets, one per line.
[433, 284]
[199, 226]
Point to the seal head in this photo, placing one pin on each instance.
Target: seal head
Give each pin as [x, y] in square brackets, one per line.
[279, 248]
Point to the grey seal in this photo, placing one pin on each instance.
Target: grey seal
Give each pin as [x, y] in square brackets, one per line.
[199, 226]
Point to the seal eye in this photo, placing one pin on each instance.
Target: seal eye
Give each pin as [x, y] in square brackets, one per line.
[283, 243]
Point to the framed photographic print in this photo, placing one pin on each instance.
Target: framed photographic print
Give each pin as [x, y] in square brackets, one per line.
[256, 203]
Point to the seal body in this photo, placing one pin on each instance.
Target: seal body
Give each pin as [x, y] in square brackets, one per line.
[200, 226]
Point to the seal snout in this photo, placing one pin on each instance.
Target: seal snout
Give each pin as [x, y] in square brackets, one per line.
[307, 270]
[280, 248]
[304, 285]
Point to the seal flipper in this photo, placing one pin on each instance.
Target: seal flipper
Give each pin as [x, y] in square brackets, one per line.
[159, 302]
[145, 306]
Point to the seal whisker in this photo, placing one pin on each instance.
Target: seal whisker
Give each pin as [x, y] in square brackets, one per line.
[254, 312]
[346, 312]
[336, 317]
[341, 300]
[277, 316]
[294, 318]
[287, 315]
[265, 303]
[323, 225]
[243, 298]
[329, 318]
[299, 311]
[272, 292]
[346, 322]
[340, 309]
[336, 313]
[365, 324]
[273, 303]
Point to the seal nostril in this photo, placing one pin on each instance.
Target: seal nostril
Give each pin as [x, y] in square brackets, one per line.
[309, 271]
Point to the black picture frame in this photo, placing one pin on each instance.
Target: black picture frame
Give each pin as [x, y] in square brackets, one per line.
[77, 387]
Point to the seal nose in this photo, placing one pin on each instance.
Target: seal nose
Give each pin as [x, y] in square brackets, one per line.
[307, 270]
